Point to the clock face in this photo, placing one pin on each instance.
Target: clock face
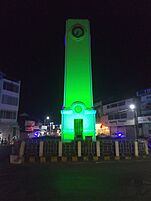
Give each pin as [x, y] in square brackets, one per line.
[78, 109]
[77, 31]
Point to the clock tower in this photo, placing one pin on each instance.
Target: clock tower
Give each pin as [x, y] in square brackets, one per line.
[78, 115]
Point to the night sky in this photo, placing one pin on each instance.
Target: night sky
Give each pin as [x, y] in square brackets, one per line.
[32, 49]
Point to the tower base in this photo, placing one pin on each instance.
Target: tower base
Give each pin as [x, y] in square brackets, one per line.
[78, 125]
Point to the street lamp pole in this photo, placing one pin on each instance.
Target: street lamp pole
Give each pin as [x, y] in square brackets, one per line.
[133, 108]
[136, 124]
[47, 123]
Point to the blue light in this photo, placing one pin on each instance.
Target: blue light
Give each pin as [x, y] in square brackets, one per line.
[37, 134]
[149, 143]
[65, 40]
[119, 134]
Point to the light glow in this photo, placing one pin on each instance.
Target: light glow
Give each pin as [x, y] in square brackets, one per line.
[102, 130]
[132, 106]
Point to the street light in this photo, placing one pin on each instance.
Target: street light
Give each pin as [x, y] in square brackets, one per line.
[47, 123]
[47, 117]
[46, 120]
[133, 108]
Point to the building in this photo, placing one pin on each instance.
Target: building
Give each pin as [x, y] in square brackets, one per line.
[144, 120]
[99, 112]
[9, 104]
[118, 117]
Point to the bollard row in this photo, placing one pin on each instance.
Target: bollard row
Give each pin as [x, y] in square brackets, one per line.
[53, 151]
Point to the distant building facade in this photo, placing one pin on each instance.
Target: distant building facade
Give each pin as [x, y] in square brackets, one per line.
[9, 105]
[144, 119]
[99, 112]
[118, 116]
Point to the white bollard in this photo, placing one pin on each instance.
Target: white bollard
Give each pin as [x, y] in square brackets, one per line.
[60, 149]
[136, 148]
[79, 148]
[15, 159]
[98, 148]
[117, 153]
[41, 148]
[146, 147]
[22, 149]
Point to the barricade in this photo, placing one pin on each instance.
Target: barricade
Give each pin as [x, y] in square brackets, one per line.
[142, 148]
[88, 150]
[35, 150]
[69, 150]
[117, 153]
[32, 150]
[16, 147]
[107, 149]
[126, 149]
[50, 149]
[17, 155]
[98, 154]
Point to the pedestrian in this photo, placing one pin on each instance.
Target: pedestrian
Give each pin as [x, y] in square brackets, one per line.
[9, 139]
[5, 141]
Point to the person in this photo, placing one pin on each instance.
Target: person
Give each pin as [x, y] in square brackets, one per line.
[9, 139]
[5, 141]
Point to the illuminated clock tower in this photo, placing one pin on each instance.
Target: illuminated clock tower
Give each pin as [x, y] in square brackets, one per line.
[78, 115]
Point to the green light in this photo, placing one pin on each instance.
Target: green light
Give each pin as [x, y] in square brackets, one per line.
[78, 109]
[78, 115]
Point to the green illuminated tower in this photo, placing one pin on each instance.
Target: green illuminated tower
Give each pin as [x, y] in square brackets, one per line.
[78, 115]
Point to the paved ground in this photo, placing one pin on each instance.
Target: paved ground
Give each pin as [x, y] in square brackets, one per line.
[105, 181]
[4, 152]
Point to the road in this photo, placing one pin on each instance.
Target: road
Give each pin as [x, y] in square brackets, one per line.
[104, 181]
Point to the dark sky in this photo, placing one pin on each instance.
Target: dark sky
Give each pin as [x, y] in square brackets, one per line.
[32, 49]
